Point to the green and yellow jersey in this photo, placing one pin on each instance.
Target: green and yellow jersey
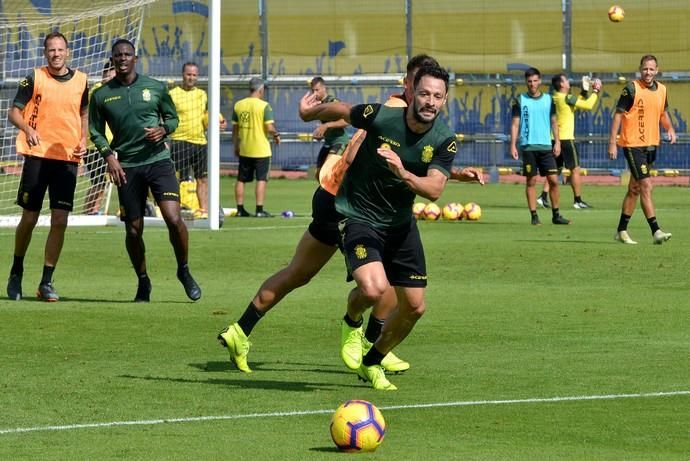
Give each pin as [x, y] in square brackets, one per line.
[250, 116]
[370, 191]
[127, 110]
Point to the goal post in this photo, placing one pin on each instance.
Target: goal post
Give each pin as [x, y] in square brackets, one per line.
[90, 27]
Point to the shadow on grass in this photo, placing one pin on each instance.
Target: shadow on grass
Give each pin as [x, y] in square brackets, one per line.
[247, 382]
[325, 449]
[215, 367]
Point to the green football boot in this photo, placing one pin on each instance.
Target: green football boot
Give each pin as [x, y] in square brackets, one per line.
[375, 375]
[237, 343]
[391, 363]
[351, 345]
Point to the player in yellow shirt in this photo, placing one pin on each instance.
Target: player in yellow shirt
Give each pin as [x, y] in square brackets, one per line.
[566, 105]
[189, 145]
[252, 120]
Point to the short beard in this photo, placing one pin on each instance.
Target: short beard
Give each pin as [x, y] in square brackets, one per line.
[419, 117]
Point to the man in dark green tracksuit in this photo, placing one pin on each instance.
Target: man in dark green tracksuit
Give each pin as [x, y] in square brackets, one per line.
[404, 154]
[140, 114]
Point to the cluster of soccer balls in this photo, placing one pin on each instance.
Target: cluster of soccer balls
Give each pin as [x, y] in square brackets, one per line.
[450, 212]
[357, 426]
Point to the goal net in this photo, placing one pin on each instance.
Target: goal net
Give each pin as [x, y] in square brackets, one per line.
[90, 26]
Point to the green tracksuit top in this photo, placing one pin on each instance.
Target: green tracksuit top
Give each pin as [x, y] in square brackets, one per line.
[371, 192]
[128, 110]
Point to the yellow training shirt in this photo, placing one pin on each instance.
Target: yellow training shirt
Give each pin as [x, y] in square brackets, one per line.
[250, 116]
[566, 104]
[191, 109]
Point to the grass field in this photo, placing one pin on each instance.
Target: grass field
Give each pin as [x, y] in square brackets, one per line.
[539, 343]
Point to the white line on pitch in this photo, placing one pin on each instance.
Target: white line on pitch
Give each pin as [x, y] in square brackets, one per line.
[277, 414]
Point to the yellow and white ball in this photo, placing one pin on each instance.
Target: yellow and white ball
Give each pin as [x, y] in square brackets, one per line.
[432, 212]
[418, 210]
[616, 13]
[451, 212]
[472, 212]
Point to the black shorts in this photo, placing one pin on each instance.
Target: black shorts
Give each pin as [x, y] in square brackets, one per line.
[96, 166]
[400, 250]
[250, 168]
[58, 177]
[325, 218]
[569, 156]
[541, 161]
[189, 159]
[159, 177]
[640, 160]
[325, 151]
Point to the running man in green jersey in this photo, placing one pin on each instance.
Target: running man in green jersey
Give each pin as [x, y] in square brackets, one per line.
[140, 114]
[404, 154]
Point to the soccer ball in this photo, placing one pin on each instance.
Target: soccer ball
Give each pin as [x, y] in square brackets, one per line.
[288, 214]
[418, 210]
[472, 212]
[451, 212]
[357, 425]
[616, 13]
[432, 212]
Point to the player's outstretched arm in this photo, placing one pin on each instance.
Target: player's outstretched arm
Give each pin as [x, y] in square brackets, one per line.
[311, 109]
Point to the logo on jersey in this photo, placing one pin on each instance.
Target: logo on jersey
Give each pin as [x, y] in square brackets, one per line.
[244, 118]
[24, 83]
[427, 154]
[385, 145]
[368, 111]
[453, 147]
[146, 94]
[360, 252]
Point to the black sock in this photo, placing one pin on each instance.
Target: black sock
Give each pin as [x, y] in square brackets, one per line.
[533, 212]
[240, 207]
[578, 199]
[182, 268]
[259, 208]
[352, 323]
[47, 276]
[373, 357]
[623, 222]
[249, 319]
[374, 327]
[143, 277]
[554, 212]
[653, 225]
[18, 266]
[544, 196]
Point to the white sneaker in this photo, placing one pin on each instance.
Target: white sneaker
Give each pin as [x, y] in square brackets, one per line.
[661, 236]
[543, 203]
[623, 237]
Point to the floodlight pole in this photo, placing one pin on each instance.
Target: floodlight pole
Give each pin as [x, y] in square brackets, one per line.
[213, 111]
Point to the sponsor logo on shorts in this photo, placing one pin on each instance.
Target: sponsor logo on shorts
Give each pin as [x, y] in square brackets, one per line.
[360, 252]
[417, 277]
[171, 194]
[644, 169]
[25, 197]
